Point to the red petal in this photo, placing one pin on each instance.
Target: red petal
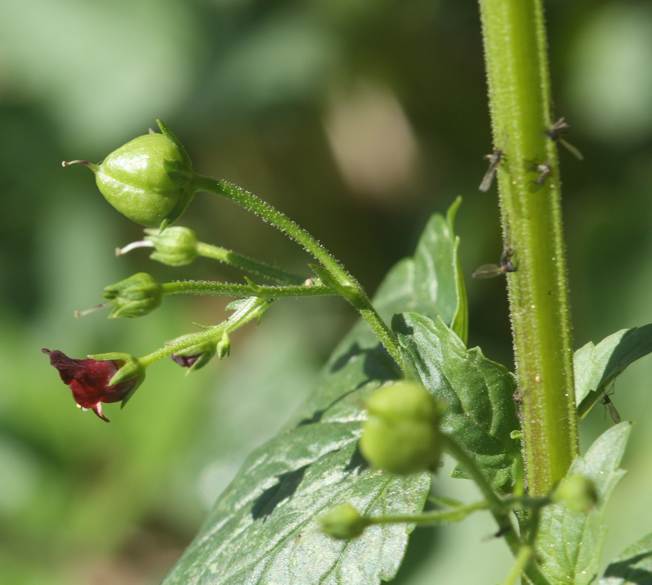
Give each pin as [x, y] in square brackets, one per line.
[97, 409]
[66, 366]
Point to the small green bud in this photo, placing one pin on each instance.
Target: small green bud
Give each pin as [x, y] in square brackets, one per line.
[149, 179]
[401, 434]
[576, 492]
[174, 246]
[195, 356]
[343, 522]
[134, 296]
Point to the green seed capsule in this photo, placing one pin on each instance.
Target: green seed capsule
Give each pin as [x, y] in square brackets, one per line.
[576, 492]
[401, 434]
[343, 522]
[174, 246]
[149, 180]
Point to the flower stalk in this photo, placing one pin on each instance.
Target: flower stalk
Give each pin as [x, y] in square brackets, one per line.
[499, 508]
[334, 274]
[209, 287]
[247, 264]
[248, 310]
[530, 205]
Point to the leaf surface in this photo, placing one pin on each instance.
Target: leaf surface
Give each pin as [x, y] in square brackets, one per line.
[262, 529]
[569, 544]
[633, 567]
[478, 393]
[596, 366]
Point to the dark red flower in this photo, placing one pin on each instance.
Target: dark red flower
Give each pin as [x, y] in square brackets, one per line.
[89, 380]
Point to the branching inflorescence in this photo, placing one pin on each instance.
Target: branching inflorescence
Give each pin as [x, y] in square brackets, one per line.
[151, 181]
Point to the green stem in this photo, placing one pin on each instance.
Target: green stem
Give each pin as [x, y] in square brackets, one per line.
[247, 264]
[433, 517]
[458, 453]
[499, 509]
[461, 511]
[252, 309]
[209, 287]
[519, 92]
[522, 559]
[345, 283]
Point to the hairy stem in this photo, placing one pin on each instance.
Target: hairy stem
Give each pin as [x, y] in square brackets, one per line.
[446, 515]
[247, 264]
[499, 509]
[346, 285]
[209, 287]
[250, 310]
[530, 204]
[522, 559]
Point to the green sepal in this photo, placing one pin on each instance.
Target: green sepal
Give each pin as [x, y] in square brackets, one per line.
[206, 350]
[131, 369]
[174, 246]
[223, 347]
[135, 296]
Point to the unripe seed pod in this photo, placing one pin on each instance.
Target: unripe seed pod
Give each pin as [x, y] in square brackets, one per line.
[576, 492]
[149, 179]
[401, 434]
[173, 246]
[343, 522]
[134, 296]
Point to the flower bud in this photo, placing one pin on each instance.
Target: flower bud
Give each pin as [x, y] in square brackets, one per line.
[195, 356]
[174, 246]
[149, 179]
[401, 434]
[576, 492]
[134, 296]
[343, 522]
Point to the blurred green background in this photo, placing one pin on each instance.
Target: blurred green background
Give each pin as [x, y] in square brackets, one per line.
[357, 118]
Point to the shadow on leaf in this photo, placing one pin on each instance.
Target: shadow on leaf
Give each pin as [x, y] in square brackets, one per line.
[284, 488]
[357, 463]
[629, 572]
[377, 367]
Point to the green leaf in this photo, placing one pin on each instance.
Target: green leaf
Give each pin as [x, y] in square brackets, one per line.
[633, 566]
[596, 366]
[439, 276]
[263, 527]
[477, 391]
[569, 544]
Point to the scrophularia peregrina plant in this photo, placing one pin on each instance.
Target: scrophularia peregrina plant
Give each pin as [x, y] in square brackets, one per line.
[404, 390]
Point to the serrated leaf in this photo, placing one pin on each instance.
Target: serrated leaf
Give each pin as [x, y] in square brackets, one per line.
[263, 528]
[633, 566]
[478, 393]
[569, 544]
[596, 366]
